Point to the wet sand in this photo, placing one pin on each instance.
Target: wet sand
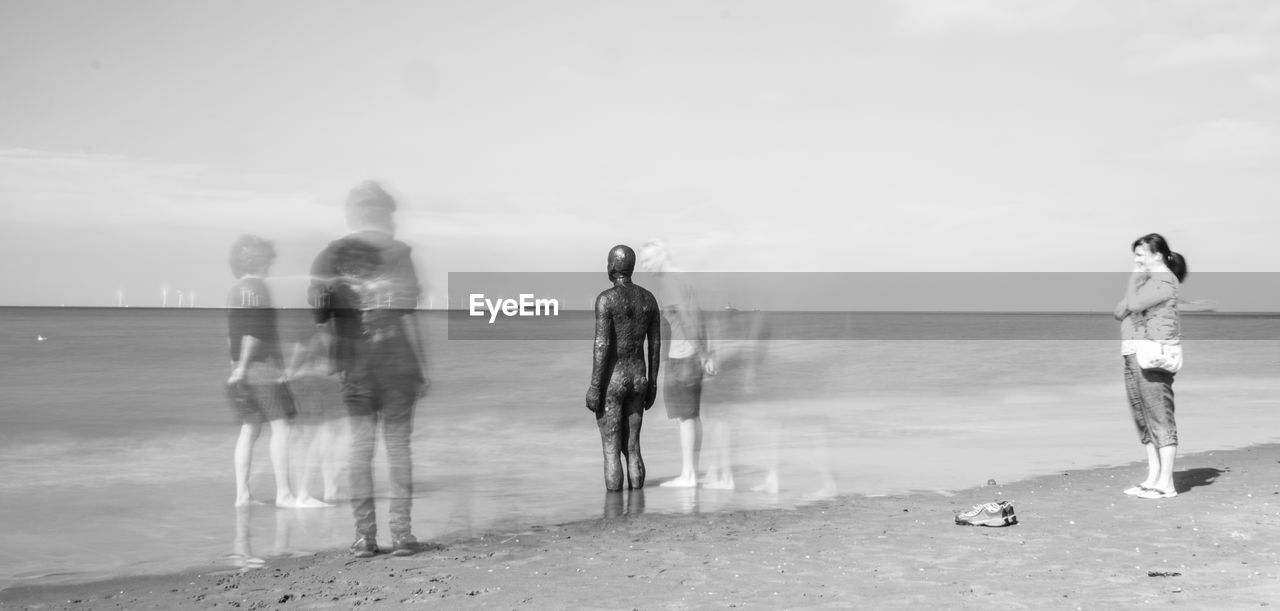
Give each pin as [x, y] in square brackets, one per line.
[1080, 543]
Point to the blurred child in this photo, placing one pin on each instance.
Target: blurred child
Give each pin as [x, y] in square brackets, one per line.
[256, 387]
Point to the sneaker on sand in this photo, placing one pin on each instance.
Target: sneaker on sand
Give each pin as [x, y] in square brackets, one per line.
[364, 547]
[404, 545]
[999, 513]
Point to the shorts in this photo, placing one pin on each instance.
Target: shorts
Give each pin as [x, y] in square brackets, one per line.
[1150, 393]
[260, 396]
[682, 388]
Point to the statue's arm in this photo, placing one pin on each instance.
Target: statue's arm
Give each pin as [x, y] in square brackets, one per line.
[600, 355]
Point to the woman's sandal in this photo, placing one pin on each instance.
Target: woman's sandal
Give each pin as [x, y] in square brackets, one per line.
[1135, 490]
[1156, 493]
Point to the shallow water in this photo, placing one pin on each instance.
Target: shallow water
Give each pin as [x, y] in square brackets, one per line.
[116, 441]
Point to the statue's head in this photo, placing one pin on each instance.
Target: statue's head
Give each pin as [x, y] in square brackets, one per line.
[622, 261]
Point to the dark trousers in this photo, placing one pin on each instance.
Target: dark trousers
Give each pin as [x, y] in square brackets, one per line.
[387, 404]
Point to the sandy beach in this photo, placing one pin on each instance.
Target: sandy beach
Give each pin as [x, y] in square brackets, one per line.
[1080, 543]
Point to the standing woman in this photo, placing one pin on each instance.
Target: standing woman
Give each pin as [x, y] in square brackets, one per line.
[1148, 316]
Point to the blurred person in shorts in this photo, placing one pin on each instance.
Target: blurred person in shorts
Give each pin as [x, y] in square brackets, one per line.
[255, 386]
[687, 359]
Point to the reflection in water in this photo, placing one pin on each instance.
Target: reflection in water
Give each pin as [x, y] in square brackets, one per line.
[618, 504]
[686, 500]
[242, 546]
[263, 532]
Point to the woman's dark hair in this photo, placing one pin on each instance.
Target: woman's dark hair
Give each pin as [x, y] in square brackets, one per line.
[1157, 244]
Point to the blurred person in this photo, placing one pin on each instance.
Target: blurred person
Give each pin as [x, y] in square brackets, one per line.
[742, 388]
[1149, 319]
[739, 350]
[688, 357]
[255, 386]
[623, 381]
[322, 429]
[365, 289]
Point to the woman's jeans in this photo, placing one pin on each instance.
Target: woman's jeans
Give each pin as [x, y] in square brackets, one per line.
[1151, 401]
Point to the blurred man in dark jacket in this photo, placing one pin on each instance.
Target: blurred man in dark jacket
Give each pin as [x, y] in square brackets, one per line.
[365, 287]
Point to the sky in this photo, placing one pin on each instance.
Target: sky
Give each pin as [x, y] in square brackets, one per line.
[139, 138]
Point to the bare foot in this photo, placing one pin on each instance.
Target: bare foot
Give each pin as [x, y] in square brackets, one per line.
[246, 561]
[720, 483]
[768, 486]
[684, 481]
[310, 502]
[247, 501]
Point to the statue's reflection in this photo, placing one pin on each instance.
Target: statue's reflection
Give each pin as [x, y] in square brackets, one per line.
[618, 504]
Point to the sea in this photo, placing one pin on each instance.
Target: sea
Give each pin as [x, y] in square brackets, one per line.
[116, 437]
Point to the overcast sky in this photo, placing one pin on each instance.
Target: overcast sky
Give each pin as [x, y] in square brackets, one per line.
[138, 139]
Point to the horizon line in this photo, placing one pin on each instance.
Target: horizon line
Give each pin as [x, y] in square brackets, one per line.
[705, 310]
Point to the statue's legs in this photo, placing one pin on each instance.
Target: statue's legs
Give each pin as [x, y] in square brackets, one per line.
[635, 462]
[609, 421]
